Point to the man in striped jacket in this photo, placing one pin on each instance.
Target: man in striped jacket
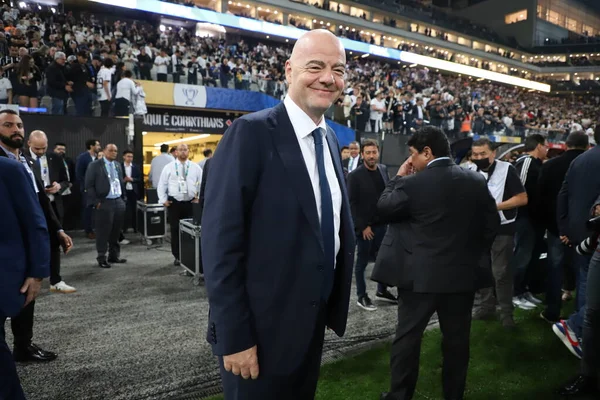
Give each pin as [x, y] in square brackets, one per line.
[529, 227]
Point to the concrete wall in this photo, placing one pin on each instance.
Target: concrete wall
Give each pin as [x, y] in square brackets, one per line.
[491, 14]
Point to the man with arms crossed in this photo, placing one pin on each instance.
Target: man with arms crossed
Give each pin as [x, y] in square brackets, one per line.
[277, 236]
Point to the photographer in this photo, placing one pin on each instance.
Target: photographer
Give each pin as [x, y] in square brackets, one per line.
[587, 383]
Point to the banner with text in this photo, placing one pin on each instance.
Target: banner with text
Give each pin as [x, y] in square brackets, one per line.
[182, 122]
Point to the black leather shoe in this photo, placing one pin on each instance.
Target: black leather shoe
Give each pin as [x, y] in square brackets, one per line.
[580, 386]
[32, 353]
[104, 264]
[117, 260]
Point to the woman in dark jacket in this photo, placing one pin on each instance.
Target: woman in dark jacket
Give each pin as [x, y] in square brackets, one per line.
[24, 80]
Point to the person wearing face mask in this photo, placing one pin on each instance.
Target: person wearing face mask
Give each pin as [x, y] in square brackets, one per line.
[443, 222]
[505, 186]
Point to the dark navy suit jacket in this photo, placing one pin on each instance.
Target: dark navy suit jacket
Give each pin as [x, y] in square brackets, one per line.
[579, 191]
[83, 162]
[262, 247]
[24, 241]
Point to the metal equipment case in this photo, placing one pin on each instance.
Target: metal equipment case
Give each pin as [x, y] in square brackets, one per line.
[190, 252]
[151, 221]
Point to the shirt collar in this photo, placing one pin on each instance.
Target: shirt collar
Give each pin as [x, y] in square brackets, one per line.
[301, 122]
[437, 159]
[109, 163]
[9, 154]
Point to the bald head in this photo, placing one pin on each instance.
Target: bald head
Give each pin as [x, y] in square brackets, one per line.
[38, 143]
[315, 72]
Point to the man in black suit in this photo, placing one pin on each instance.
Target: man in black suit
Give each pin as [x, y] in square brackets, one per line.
[70, 202]
[12, 135]
[352, 162]
[105, 189]
[453, 221]
[83, 161]
[132, 175]
[365, 185]
[277, 192]
[578, 193]
[550, 181]
[54, 176]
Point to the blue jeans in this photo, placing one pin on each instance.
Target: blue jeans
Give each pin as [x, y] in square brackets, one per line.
[364, 250]
[524, 245]
[10, 386]
[58, 106]
[591, 325]
[558, 255]
[575, 321]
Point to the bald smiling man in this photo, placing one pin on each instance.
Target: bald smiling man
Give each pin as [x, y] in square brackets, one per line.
[277, 236]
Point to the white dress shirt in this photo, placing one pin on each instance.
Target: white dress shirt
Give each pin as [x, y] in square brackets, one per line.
[303, 127]
[353, 163]
[128, 168]
[172, 174]
[45, 171]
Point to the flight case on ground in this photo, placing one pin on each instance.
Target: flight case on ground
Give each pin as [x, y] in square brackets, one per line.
[151, 221]
[189, 248]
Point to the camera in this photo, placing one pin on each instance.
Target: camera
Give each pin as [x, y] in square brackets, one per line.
[589, 245]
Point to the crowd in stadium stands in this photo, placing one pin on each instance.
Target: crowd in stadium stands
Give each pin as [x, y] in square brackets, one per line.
[93, 46]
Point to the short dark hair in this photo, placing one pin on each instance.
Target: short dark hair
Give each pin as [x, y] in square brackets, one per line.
[431, 137]
[127, 151]
[483, 141]
[82, 54]
[164, 148]
[127, 74]
[578, 140]
[9, 111]
[108, 62]
[344, 148]
[90, 143]
[207, 152]
[368, 143]
[173, 149]
[59, 144]
[532, 142]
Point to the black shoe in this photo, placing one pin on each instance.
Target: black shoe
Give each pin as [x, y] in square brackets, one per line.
[176, 263]
[365, 303]
[32, 353]
[386, 296]
[104, 264]
[580, 386]
[117, 260]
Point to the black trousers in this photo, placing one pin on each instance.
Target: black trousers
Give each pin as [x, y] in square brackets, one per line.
[130, 211]
[300, 385]
[10, 386]
[104, 108]
[22, 326]
[178, 210]
[414, 312]
[109, 222]
[121, 107]
[590, 364]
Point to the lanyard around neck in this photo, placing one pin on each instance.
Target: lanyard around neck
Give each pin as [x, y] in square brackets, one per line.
[187, 169]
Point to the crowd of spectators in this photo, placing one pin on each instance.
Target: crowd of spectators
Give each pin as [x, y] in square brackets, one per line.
[93, 47]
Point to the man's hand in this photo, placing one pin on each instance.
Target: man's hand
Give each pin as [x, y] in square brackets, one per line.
[54, 189]
[565, 240]
[367, 233]
[406, 168]
[167, 203]
[90, 85]
[98, 206]
[65, 242]
[196, 200]
[128, 179]
[244, 363]
[32, 287]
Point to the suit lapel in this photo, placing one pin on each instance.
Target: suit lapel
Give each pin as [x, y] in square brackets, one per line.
[383, 174]
[335, 157]
[288, 148]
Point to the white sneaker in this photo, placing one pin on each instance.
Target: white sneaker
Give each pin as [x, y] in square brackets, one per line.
[62, 287]
[531, 298]
[522, 303]
[124, 242]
